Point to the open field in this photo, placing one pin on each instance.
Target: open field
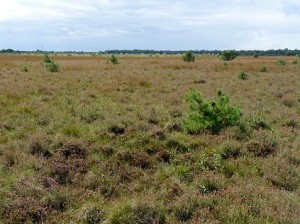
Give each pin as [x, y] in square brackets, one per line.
[103, 143]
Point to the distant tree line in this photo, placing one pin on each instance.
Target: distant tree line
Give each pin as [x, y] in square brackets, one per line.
[271, 52]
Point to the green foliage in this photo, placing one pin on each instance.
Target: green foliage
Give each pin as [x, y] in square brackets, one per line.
[46, 59]
[243, 76]
[189, 56]
[228, 55]
[263, 69]
[52, 66]
[25, 68]
[212, 115]
[281, 62]
[113, 59]
[255, 56]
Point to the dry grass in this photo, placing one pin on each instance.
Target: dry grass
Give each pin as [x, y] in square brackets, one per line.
[96, 141]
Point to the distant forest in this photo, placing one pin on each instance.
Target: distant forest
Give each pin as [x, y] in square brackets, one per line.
[271, 52]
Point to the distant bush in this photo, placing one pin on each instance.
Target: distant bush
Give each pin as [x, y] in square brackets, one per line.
[255, 56]
[113, 59]
[243, 76]
[228, 55]
[281, 62]
[25, 68]
[46, 58]
[211, 115]
[52, 66]
[189, 56]
[263, 69]
[295, 62]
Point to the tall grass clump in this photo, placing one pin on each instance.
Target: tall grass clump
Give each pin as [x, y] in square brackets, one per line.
[212, 115]
[189, 56]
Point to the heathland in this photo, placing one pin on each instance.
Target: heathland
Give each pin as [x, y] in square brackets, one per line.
[99, 142]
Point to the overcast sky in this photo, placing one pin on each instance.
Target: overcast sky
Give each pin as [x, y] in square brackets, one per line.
[93, 25]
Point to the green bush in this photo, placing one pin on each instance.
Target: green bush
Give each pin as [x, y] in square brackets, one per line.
[212, 115]
[25, 68]
[281, 62]
[189, 56]
[243, 76]
[263, 69]
[113, 59]
[53, 67]
[46, 59]
[228, 55]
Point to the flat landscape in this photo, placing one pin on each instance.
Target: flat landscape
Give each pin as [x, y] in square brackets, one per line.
[99, 142]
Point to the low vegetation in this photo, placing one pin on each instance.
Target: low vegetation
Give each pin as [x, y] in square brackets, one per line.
[149, 140]
[189, 56]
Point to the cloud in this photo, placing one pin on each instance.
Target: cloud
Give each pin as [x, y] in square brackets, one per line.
[156, 24]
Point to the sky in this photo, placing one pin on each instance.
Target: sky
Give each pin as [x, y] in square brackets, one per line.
[94, 25]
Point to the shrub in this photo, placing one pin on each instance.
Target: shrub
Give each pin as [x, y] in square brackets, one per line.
[295, 62]
[189, 56]
[263, 69]
[46, 59]
[281, 62]
[211, 115]
[53, 67]
[243, 76]
[113, 59]
[25, 68]
[228, 55]
[256, 56]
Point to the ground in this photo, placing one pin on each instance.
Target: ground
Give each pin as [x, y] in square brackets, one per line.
[104, 143]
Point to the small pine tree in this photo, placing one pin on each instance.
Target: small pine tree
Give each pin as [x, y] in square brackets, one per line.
[46, 58]
[228, 55]
[53, 67]
[189, 56]
[211, 115]
[113, 59]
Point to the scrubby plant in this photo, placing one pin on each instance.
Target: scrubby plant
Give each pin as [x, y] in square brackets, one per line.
[46, 59]
[256, 56]
[263, 69]
[281, 62]
[212, 115]
[114, 59]
[228, 55]
[25, 68]
[243, 76]
[189, 56]
[52, 66]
